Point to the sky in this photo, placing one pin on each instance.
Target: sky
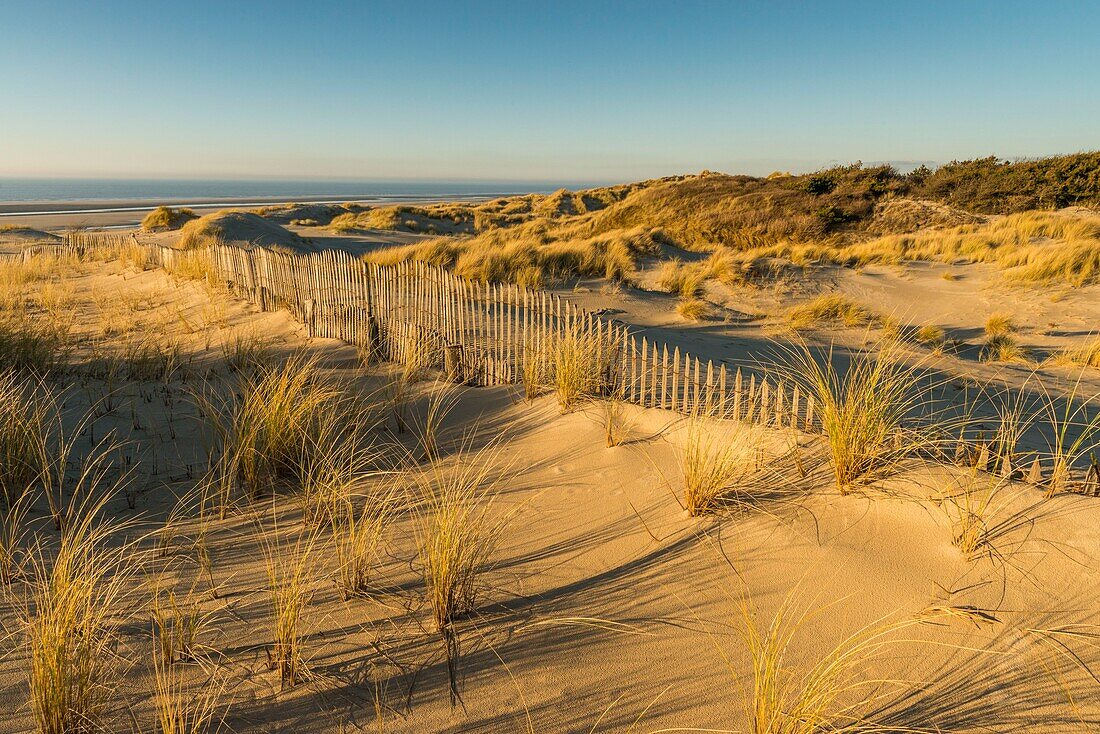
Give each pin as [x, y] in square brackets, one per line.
[578, 91]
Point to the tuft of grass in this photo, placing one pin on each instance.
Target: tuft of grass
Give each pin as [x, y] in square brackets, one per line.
[931, 335]
[1070, 426]
[831, 308]
[581, 362]
[693, 309]
[25, 424]
[458, 528]
[684, 281]
[1086, 355]
[290, 569]
[265, 426]
[179, 708]
[441, 402]
[1002, 347]
[863, 411]
[999, 324]
[358, 539]
[713, 459]
[832, 692]
[72, 627]
[165, 218]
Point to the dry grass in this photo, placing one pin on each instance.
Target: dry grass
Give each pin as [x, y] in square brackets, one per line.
[581, 361]
[264, 428]
[1070, 425]
[165, 218]
[1086, 355]
[72, 627]
[291, 568]
[441, 402]
[864, 410]
[684, 281]
[179, 708]
[999, 324]
[831, 308]
[359, 537]
[832, 692]
[1003, 347]
[931, 335]
[26, 421]
[694, 309]
[713, 460]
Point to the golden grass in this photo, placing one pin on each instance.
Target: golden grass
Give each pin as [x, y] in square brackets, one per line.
[831, 692]
[999, 324]
[359, 537]
[290, 569]
[26, 421]
[863, 411]
[693, 309]
[73, 625]
[1070, 425]
[931, 335]
[831, 308]
[713, 459]
[441, 401]
[179, 708]
[1003, 347]
[685, 281]
[1086, 355]
[581, 361]
[165, 218]
[265, 427]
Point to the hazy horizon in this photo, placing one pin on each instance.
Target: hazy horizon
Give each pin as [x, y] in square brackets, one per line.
[494, 91]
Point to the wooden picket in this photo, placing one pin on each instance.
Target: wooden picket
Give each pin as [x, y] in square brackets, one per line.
[486, 329]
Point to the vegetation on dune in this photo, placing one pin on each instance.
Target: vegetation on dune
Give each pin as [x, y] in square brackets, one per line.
[848, 215]
[166, 218]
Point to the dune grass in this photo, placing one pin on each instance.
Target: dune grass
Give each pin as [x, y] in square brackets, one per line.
[581, 363]
[27, 418]
[290, 567]
[833, 691]
[693, 309]
[999, 324]
[1002, 347]
[180, 709]
[264, 428]
[359, 538]
[166, 218]
[72, 627]
[713, 459]
[831, 308]
[863, 410]
[1086, 355]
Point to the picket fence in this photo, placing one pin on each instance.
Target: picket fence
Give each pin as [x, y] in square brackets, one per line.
[478, 333]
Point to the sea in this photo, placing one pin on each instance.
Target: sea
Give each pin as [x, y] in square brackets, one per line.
[197, 191]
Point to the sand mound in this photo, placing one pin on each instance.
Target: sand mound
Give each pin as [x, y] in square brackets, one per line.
[901, 214]
[241, 228]
[15, 233]
[165, 218]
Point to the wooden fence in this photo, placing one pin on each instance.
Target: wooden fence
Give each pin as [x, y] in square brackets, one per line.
[481, 333]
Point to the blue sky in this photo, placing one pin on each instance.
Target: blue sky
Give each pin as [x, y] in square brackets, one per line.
[582, 91]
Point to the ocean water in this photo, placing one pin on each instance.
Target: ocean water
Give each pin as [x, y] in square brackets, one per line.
[13, 190]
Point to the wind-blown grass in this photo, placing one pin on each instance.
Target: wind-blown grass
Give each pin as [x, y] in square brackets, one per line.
[712, 460]
[863, 410]
[73, 626]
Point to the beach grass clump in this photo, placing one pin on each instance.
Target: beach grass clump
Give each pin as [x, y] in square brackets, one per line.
[832, 691]
[1002, 347]
[684, 281]
[999, 324]
[180, 708]
[693, 309]
[290, 567]
[165, 218]
[458, 529]
[581, 363]
[831, 308]
[1070, 425]
[714, 459]
[359, 538]
[72, 624]
[337, 455]
[863, 411]
[1086, 355]
[27, 416]
[931, 335]
[265, 428]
